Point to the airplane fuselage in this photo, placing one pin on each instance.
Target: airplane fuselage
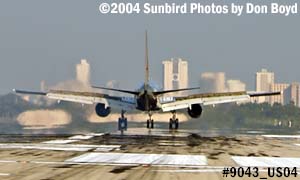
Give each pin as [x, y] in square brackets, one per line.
[146, 100]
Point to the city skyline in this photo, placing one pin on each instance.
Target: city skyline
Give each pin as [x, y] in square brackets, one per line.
[175, 72]
[173, 68]
[37, 44]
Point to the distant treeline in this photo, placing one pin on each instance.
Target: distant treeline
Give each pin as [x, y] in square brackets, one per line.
[249, 115]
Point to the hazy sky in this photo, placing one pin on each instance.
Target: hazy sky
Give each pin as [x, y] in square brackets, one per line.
[43, 40]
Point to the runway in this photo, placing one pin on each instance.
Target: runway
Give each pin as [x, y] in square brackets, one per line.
[143, 154]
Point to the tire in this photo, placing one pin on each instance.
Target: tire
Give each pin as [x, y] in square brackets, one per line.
[119, 124]
[126, 124]
[148, 123]
[176, 124]
[171, 124]
[152, 123]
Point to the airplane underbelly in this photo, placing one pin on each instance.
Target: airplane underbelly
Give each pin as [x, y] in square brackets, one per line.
[143, 105]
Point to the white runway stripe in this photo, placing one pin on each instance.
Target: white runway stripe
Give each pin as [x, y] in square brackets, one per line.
[81, 137]
[95, 134]
[59, 147]
[266, 161]
[4, 174]
[281, 136]
[255, 132]
[192, 169]
[60, 141]
[149, 159]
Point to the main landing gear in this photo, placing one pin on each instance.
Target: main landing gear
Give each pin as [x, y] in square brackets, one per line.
[150, 122]
[174, 123]
[122, 122]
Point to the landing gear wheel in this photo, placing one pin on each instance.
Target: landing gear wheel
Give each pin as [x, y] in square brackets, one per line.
[170, 123]
[174, 122]
[122, 122]
[152, 123]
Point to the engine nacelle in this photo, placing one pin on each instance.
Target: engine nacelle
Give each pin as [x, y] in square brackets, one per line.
[195, 111]
[101, 110]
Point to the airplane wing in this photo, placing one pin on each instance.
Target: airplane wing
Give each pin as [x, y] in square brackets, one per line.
[175, 103]
[126, 103]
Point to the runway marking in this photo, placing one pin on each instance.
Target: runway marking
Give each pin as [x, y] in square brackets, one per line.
[170, 144]
[96, 134]
[266, 161]
[106, 149]
[4, 174]
[60, 147]
[81, 137]
[145, 159]
[281, 136]
[97, 163]
[255, 132]
[57, 147]
[60, 141]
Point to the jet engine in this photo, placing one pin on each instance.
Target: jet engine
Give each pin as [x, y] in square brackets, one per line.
[195, 111]
[101, 110]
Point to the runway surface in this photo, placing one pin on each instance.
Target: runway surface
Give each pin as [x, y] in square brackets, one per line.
[143, 154]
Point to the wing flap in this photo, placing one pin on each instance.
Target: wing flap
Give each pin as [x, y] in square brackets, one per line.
[91, 98]
[73, 98]
[125, 103]
[225, 99]
[182, 104]
[211, 99]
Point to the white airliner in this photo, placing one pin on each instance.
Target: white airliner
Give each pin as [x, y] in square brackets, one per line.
[147, 99]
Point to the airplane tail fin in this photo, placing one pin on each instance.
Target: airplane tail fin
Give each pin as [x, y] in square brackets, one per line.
[146, 60]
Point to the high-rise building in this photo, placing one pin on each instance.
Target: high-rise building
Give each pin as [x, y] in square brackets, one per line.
[175, 74]
[292, 94]
[279, 98]
[213, 82]
[43, 86]
[264, 80]
[83, 72]
[235, 85]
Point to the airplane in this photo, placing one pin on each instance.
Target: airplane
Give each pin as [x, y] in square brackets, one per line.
[148, 99]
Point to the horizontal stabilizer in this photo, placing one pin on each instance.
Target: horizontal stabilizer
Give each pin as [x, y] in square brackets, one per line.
[29, 92]
[174, 90]
[256, 94]
[118, 90]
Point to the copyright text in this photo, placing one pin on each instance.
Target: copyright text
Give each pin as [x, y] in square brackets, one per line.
[199, 8]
